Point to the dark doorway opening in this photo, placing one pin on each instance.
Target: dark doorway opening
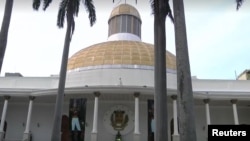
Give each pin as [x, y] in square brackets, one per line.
[77, 116]
[151, 121]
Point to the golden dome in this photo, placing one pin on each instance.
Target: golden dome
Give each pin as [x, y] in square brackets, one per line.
[118, 53]
[125, 9]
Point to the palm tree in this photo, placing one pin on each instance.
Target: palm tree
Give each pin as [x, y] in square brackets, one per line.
[68, 8]
[5, 29]
[184, 82]
[160, 9]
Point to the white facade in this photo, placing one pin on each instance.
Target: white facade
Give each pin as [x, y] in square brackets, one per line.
[220, 92]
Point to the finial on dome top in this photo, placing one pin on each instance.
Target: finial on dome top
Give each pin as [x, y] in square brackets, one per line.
[125, 1]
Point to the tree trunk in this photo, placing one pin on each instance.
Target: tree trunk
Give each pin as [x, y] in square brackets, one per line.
[184, 82]
[160, 112]
[5, 29]
[56, 131]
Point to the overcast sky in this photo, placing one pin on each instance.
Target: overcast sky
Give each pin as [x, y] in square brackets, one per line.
[218, 36]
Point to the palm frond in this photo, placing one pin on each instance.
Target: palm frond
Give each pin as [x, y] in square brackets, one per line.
[73, 28]
[60, 18]
[61, 13]
[46, 4]
[76, 4]
[239, 3]
[167, 11]
[36, 4]
[90, 8]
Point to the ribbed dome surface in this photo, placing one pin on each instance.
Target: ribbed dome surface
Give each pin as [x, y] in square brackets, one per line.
[125, 9]
[118, 53]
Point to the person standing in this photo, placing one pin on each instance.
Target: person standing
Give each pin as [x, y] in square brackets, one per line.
[75, 123]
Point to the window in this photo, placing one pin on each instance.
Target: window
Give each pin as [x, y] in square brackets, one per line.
[118, 24]
[124, 23]
[111, 24]
[129, 24]
[135, 22]
[136, 27]
[139, 28]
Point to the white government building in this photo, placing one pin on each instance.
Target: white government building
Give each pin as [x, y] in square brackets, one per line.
[111, 86]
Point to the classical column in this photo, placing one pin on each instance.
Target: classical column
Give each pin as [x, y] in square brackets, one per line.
[137, 112]
[206, 101]
[95, 117]
[175, 136]
[236, 119]
[27, 134]
[6, 99]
